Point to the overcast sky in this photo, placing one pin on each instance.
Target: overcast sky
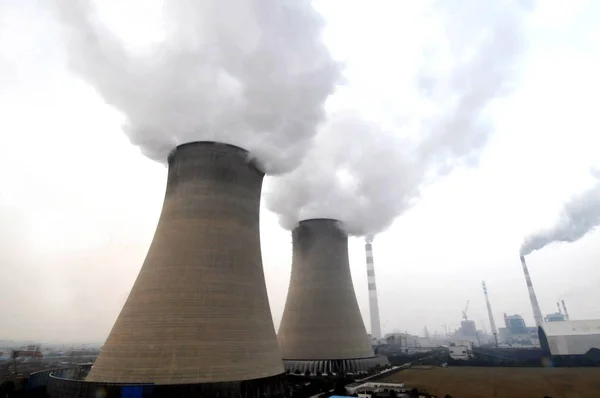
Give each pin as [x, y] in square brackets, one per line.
[79, 203]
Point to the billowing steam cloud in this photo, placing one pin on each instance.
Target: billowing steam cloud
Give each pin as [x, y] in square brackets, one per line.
[346, 176]
[365, 176]
[578, 217]
[252, 73]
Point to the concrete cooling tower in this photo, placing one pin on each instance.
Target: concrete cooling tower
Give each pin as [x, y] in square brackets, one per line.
[198, 312]
[322, 328]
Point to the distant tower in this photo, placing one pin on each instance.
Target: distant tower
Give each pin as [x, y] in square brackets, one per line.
[537, 313]
[198, 313]
[322, 329]
[490, 313]
[565, 308]
[373, 303]
[558, 306]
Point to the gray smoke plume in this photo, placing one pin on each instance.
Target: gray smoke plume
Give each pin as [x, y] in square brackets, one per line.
[251, 73]
[578, 216]
[365, 176]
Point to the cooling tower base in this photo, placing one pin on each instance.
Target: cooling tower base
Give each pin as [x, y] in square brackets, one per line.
[356, 365]
[269, 387]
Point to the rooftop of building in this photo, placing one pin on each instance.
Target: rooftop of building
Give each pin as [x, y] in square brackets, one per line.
[570, 328]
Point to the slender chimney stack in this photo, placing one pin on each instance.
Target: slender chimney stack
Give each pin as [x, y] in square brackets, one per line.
[537, 313]
[565, 308]
[373, 303]
[198, 312]
[321, 327]
[489, 309]
[558, 306]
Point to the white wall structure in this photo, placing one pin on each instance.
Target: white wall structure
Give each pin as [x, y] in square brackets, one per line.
[571, 337]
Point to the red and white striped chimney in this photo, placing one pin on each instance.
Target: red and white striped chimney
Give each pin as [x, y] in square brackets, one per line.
[373, 303]
[537, 313]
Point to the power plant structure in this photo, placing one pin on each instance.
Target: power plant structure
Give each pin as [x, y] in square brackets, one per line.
[537, 313]
[322, 329]
[373, 302]
[198, 313]
[490, 313]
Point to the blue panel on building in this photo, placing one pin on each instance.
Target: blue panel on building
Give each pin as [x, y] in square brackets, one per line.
[132, 392]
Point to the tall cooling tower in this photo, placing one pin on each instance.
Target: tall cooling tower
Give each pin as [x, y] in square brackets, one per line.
[198, 312]
[322, 328]
[537, 313]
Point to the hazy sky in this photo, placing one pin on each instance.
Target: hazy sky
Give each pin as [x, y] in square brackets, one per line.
[79, 203]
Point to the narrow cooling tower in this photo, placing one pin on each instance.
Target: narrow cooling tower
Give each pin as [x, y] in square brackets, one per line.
[322, 328]
[565, 308]
[373, 303]
[537, 313]
[198, 312]
[489, 309]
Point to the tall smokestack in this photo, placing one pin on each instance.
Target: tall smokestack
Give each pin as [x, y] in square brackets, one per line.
[198, 312]
[489, 309]
[537, 313]
[565, 308]
[558, 306]
[321, 327]
[373, 303]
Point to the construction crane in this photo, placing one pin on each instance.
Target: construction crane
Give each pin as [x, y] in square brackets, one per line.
[465, 311]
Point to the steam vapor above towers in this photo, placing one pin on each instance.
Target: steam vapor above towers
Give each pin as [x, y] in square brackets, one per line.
[365, 174]
[578, 216]
[255, 78]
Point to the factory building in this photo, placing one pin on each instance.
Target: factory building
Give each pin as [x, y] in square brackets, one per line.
[516, 332]
[570, 337]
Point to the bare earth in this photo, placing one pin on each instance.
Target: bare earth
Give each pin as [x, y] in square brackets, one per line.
[491, 382]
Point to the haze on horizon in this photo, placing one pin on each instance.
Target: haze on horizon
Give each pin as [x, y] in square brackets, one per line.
[79, 203]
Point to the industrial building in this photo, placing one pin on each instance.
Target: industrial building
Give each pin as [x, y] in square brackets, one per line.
[516, 332]
[198, 313]
[322, 329]
[570, 337]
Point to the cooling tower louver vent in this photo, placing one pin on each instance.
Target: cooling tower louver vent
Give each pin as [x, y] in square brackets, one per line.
[198, 311]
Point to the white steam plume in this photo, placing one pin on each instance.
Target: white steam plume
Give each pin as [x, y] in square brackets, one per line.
[365, 176]
[355, 172]
[251, 73]
[578, 217]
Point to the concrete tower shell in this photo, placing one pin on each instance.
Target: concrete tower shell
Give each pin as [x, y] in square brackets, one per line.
[321, 327]
[198, 312]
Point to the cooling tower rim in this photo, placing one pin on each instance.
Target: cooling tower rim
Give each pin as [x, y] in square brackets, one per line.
[319, 219]
[249, 158]
[207, 142]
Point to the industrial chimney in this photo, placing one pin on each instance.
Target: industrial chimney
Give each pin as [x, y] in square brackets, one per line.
[565, 308]
[198, 312]
[537, 313]
[490, 314]
[373, 303]
[321, 327]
